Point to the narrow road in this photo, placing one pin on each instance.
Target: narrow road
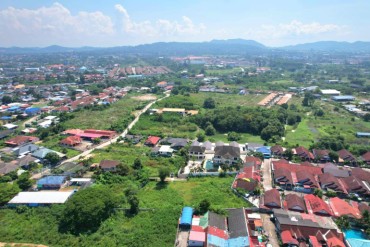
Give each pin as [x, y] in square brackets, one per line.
[105, 144]
[266, 168]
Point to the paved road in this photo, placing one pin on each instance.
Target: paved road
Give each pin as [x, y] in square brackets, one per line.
[269, 229]
[266, 168]
[105, 144]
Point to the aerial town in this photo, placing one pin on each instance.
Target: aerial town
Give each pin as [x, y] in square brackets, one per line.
[193, 143]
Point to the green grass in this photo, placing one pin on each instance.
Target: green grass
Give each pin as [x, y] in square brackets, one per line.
[218, 72]
[245, 138]
[128, 154]
[116, 113]
[173, 125]
[155, 227]
[302, 135]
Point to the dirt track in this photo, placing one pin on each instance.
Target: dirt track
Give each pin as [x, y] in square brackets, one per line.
[146, 97]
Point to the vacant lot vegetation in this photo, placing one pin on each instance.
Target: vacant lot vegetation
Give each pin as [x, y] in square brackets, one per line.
[128, 153]
[155, 227]
[117, 114]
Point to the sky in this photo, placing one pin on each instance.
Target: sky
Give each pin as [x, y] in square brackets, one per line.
[75, 23]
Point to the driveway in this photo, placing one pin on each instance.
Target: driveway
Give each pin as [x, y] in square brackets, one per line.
[266, 169]
[269, 230]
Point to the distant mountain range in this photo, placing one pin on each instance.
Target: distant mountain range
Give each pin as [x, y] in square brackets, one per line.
[214, 47]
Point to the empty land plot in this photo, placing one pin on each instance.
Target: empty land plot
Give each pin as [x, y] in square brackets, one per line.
[103, 119]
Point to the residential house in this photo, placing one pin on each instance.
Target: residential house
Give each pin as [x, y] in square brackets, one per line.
[165, 150]
[366, 157]
[341, 207]
[109, 165]
[346, 157]
[271, 199]
[6, 168]
[71, 141]
[355, 185]
[6, 133]
[321, 155]
[25, 149]
[26, 160]
[196, 150]
[248, 179]
[227, 154]
[134, 139]
[298, 228]
[42, 152]
[316, 205]
[152, 141]
[303, 153]
[277, 151]
[20, 140]
[237, 227]
[294, 202]
[328, 181]
[175, 143]
[265, 151]
[51, 182]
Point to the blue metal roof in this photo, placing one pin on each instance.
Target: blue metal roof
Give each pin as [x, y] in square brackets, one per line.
[51, 180]
[238, 242]
[186, 216]
[264, 150]
[217, 241]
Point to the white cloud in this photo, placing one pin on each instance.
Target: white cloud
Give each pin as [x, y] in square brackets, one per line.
[51, 25]
[160, 27]
[298, 28]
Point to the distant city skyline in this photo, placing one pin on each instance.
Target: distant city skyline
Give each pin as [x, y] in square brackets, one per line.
[109, 23]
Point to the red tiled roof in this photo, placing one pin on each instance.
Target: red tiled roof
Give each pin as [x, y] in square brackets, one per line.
[304, 153]
[307, 178]
[287, 238]
[346, 155]
[335, 242]
[197, 228]
[71, 140]
[19, 140]
[363, 207]
[217, 232]
[341, 207]
[366, 156]
[295, 203]
[295, 168]
[152, 140]
[272, 198]
[353, 184]
[284, 175]
[317, 205]
[255, 160]
[277, 149]
[314, 242]
[332, 182]
[361, 174]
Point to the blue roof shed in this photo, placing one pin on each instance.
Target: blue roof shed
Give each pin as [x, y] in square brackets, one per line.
[266, 151]
[51, 180]
[32, 110]
[186, 216]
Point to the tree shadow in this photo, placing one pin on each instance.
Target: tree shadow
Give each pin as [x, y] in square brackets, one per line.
[161, 185]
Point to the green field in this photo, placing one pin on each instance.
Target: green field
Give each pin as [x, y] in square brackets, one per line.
[155, 227]
[117, 113]
[127, 154]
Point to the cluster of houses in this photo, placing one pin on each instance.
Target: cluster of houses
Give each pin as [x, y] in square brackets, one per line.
[22, 151]
[241, 227]
[118, 72]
